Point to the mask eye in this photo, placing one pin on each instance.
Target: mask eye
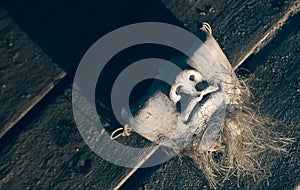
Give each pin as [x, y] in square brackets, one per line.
[192, 77]
[201, 86]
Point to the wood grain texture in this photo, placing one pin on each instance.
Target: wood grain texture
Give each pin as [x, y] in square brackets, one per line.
[50, 154]
[26, 73]
[238, 25]
[64, 30]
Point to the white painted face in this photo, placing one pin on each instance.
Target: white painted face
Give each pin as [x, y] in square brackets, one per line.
[161, 122]
[186, 83]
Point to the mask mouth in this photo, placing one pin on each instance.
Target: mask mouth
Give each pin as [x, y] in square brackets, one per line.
[182, 105]
[196, 107]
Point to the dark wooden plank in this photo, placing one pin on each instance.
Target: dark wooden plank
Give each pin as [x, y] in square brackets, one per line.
[57, 157]
[26, 73]
[239, 26]
[50, 154]
[275, 85]
[66, 29]
[53, 143]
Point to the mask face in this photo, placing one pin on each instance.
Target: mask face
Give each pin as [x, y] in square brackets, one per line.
[195, 104]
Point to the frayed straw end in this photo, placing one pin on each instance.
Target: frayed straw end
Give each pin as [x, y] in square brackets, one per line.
[245, 139]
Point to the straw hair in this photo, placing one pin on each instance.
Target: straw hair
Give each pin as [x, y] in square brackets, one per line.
[244, 142]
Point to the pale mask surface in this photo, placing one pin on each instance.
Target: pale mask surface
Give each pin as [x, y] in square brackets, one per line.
[202, 109]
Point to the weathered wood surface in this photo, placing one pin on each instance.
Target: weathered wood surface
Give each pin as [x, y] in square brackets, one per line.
[66, 29]
[234, 23]
[26, 73]
[275, 85]
[49, 152]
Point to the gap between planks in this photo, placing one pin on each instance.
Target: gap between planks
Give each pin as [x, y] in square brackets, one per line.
[267, 38]
[270, 34]
[35, 102]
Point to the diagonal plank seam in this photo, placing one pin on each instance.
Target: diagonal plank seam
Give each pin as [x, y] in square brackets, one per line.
[270, 34]
[40, 97]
